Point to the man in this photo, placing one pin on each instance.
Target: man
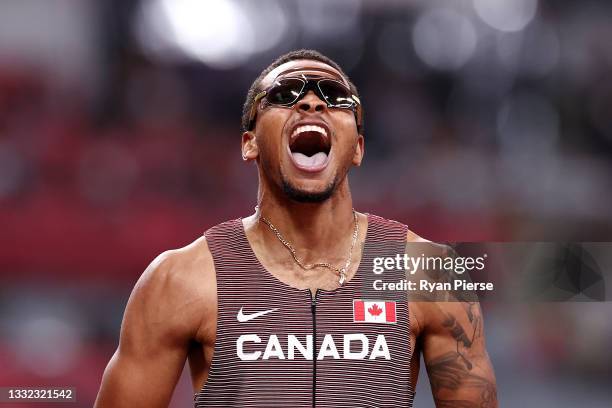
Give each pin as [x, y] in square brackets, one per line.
[271, 310]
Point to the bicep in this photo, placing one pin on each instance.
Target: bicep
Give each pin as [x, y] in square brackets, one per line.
[151, 353]
[131, 381]
[459, 369]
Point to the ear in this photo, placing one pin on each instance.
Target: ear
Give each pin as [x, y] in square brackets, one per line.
[359, 151]
[250, 151]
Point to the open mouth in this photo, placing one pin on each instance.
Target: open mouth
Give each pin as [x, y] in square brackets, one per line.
[310, 146]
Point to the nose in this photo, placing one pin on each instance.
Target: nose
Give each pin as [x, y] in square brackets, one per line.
[311, 103]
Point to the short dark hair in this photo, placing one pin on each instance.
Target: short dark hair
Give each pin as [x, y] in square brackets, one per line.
[290, 56]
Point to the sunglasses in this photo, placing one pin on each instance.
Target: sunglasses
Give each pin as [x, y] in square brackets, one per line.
[286, 92]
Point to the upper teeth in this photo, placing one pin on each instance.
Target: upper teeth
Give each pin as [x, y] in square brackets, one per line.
[309, 128]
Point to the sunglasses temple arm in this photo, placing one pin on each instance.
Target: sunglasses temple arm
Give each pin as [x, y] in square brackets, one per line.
[253, 112]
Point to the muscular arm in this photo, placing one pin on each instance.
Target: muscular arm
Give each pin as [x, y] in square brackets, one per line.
[160, 321]
[451, 338]
[453, 345]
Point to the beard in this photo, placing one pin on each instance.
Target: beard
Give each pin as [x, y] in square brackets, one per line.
[294, 192]
[302, 196]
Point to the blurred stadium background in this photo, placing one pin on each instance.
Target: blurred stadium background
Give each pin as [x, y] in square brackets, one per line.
[119, 138]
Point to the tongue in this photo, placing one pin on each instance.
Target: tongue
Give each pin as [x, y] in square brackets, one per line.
[309, 161]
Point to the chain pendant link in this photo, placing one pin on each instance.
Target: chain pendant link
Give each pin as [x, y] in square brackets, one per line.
[341, 271]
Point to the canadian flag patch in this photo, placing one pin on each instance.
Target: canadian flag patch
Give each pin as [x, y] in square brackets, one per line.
[374, 311]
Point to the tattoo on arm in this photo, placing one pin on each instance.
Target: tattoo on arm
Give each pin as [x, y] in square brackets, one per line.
[451, 372]
[457, 331]
[454, 369]
[460, 335]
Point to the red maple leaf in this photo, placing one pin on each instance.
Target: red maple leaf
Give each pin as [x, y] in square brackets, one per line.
[374, 310]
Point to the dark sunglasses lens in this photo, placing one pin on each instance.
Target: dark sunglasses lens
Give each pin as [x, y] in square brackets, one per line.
[285, 91]
[336, 94]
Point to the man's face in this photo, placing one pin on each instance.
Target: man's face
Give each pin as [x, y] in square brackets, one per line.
[308, 148]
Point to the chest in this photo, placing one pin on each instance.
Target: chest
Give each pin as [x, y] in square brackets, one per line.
[297, 345]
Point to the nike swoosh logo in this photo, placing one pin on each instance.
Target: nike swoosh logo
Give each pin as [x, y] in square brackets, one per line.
[246, 317]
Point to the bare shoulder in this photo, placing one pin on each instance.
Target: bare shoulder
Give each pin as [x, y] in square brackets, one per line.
[423, 309]
[184, 269]
[416, 314]
[412, 236]
[177, 288]
[191, 263]
[431, 248]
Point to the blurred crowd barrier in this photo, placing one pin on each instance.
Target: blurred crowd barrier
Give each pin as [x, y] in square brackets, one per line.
[120, 134]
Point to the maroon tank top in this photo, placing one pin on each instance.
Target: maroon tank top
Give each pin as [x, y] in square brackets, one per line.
[277, 346]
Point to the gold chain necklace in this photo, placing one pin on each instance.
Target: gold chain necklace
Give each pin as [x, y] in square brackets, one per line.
[341, 271]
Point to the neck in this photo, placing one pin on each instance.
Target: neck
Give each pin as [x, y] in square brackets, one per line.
[316, 230]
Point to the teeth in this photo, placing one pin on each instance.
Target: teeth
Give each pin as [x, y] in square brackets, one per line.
[309, 128]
